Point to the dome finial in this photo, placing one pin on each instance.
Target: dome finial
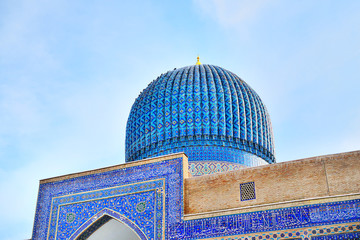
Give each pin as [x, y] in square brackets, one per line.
[198, 61]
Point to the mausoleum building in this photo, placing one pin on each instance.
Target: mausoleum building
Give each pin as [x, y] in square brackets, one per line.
[200, 164]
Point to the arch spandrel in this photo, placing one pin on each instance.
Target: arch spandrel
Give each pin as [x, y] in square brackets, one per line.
[108, 224]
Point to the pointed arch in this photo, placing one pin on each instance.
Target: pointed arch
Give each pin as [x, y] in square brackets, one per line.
[99, 219]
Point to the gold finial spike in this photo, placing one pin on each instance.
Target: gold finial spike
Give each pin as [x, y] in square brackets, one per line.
[198, 61]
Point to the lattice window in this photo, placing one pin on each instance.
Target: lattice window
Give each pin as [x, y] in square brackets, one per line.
[247, 191]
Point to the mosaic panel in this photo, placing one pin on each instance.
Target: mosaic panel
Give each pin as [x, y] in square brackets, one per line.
[209, 167]
[136, 195]
[117, 199]
[340, 236]
[337, 232]
[270, 220]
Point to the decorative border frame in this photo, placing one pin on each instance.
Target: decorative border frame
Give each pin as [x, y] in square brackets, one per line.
[269, 220]
[113, 192]
[349, 235]
[329, 232]
[134, 178]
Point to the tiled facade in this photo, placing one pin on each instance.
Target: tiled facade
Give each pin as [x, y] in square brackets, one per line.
[139, 196]
[149, 198]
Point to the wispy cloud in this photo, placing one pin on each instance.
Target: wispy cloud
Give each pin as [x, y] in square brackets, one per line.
[231, 13]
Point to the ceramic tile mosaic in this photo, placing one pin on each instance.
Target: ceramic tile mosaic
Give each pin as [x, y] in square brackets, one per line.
[336, 232]
[200, 168]
[149, 199]
[270, 220]
[200, 105]
[136, 195]
[340, 236]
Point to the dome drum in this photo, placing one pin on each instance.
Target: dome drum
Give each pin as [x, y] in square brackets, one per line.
[183, 142]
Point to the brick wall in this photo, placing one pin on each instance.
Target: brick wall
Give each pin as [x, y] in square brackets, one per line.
[312, 178]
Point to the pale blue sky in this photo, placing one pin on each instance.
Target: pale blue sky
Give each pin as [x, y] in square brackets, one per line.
[70, 71]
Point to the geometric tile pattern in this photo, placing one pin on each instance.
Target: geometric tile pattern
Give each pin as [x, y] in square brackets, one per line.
[201, 168]
[334, 232]
[269, 220]
[136, 196]
[340, 236]
[219, 154]
[115, 199]
[212, 159]
[199, 105]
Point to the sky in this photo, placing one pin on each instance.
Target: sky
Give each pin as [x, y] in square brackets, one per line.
[70, 71]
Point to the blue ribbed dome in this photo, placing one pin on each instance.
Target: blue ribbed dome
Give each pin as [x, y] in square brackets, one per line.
[199, 106]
